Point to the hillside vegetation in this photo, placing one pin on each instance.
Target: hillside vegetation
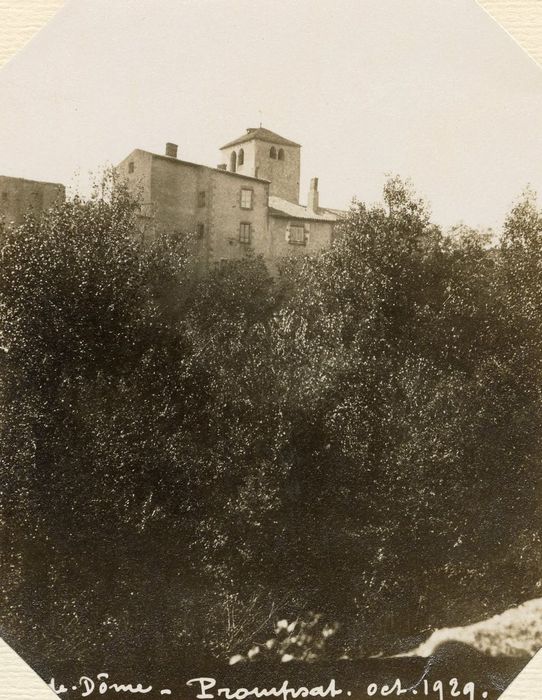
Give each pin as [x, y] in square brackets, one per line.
[186, 462]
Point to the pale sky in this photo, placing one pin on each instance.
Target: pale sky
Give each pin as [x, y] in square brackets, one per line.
[432, 90]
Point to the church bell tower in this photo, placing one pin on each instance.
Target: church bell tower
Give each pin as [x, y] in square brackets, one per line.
[263, 154]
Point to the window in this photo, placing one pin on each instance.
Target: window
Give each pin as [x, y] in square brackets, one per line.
[297, 234]
[273, 152]
[233, 161]
[281, 154]
[200, 230]
[131, 166]
[201, 198]
[241, 157]
[246, 199]
[244, 233]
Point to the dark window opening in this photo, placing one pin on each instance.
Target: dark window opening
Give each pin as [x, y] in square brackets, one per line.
[233, 161]
[273, 152]
[281, 154]
[241, 158]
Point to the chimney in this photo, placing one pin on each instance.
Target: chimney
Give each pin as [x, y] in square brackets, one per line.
[171, 150]
[312, 204]
[222, 166]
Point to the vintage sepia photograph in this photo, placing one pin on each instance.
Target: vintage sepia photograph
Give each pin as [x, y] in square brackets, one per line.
[271, 350]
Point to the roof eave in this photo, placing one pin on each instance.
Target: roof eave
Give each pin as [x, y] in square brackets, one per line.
[285, 215]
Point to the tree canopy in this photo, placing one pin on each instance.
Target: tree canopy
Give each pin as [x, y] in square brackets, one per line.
[185, 460]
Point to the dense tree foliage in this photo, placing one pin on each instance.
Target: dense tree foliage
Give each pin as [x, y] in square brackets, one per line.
[184, 461]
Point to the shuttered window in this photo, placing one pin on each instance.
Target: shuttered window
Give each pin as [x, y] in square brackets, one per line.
[297, 234]
[244, 233]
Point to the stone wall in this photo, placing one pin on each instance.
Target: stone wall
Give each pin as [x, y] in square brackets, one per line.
[19, 197]
[136, 170]
[318, 235]
[226, 216]
[282, 174]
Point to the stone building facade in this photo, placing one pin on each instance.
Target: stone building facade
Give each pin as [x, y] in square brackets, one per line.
[250, 201]
[19, 197]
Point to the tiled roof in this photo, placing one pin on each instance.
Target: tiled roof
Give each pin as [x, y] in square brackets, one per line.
[262, 135]
[284, 208]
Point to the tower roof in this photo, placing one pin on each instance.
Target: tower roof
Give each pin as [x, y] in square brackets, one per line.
[262, 135]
